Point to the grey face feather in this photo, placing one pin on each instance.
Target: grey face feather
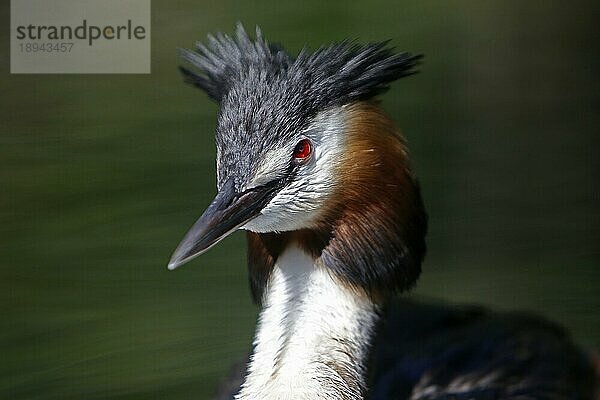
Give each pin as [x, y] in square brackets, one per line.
[268, 97]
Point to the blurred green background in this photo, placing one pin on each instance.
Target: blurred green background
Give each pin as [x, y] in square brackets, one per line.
[101, 175]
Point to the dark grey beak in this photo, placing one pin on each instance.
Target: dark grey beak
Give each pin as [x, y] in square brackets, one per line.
[228, 211]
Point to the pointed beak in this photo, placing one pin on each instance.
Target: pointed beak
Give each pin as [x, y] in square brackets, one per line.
[228, 211]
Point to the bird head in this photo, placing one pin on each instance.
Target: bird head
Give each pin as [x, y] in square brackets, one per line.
[304, 155]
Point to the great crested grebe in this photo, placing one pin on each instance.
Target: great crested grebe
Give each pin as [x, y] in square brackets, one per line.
[319, 178]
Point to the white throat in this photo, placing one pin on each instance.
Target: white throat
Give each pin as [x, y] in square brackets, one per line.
[313, 335]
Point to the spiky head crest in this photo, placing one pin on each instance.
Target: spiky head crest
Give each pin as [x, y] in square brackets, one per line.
[268, 97]
[332, 75]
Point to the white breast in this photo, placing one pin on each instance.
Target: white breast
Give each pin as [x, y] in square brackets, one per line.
[312, 337]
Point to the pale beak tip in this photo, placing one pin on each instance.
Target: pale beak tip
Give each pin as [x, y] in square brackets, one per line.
[174, 263]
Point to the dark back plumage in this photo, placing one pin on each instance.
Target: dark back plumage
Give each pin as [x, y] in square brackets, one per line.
[429, 351]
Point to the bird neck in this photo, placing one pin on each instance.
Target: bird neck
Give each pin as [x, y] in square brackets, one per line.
[313, 334]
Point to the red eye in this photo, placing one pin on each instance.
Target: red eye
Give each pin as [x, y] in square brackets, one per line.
[302, 150]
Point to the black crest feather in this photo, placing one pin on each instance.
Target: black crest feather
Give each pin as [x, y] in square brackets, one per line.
[332, 75]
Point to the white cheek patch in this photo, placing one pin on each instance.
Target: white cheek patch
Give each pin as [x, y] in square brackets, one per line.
[298, 204]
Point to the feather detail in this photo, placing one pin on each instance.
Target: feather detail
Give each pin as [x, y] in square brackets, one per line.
[334, 75]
